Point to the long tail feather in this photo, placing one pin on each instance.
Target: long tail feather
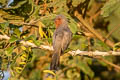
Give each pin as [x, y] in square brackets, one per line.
[55, 61]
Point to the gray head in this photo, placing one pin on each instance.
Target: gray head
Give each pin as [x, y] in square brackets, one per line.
[61, 20]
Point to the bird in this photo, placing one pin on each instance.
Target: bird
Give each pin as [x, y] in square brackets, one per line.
[62, 37]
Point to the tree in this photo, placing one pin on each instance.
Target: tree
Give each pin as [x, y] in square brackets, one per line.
[26, 26]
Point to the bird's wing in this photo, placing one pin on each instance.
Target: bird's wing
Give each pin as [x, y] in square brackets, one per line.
[66, 40]
[57, 38]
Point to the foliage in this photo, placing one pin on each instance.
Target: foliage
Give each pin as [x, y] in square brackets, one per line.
[33, 21]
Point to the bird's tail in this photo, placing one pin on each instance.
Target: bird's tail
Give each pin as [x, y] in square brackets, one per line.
[55, 61]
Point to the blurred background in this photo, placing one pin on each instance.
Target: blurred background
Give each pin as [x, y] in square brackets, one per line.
[33, 21]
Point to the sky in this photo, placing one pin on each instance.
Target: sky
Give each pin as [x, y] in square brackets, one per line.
[9, 2]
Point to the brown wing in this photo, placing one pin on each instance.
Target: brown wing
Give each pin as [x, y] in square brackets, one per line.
[61, 39]
[57, 38]
[66, 39]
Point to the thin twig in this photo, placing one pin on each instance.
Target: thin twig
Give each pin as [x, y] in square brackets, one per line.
[108, 62]
[93, 17]
[108, 42]
[113, 30]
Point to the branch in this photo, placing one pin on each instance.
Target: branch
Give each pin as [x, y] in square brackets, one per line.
[74, 52]
[108, 62]
[108, 42]
[4, 37]
[94, 54]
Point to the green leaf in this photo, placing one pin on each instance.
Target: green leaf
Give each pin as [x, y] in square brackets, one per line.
[78, 43]
[49, 40]
[31, 37]
[3, 2]
[110, 7]
[108, 58]
[38, 42]
[13, 39]
[88, 60]
[114, 25]
[17, 32]
[72, 74]
[4, 25]
[84, 67]
[101, 46]
[10, 50]
[75, 3]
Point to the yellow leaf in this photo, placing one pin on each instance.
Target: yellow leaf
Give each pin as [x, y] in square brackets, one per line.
[18, 68]
[29, 49]
[22, 63]
[41, 32]
[30, 41]
[23, 57]
[49, 71]
[23, 47]
[18, 71]
[11, 72]
[24, 36]
[40, 24]
[49, 78]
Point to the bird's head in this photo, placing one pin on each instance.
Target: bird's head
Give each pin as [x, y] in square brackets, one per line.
[60, 20]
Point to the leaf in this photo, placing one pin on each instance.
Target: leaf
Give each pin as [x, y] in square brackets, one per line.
[49, 71]
[72, 73]
[101, 46]
[49, 78]
[108, 58]
[22, 63]
[114, 25]
[110, 7]
[23, 47]
[69, 73]
[13, 39]
[60, 5]
[75, 3]
[49, 21]
[41, 32]
[17, 32]
[78, 42]
[116, 47]
[84, 67]
[18, 69]
[31, 37]
[88, 60]
[10, 50]
[12, 73]
[23, 58]
[4, 25]
[29, 49]
[38, 42]
[3, 2]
